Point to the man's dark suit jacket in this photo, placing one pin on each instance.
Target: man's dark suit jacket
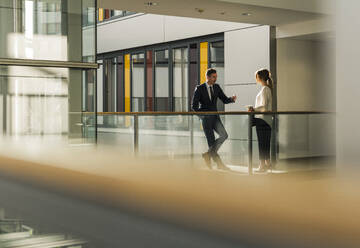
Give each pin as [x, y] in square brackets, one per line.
[201, 101]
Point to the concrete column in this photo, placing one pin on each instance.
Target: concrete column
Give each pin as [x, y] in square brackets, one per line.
[74, 39]
[7, 26]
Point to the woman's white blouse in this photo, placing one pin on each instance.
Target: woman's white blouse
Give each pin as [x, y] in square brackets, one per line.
[263, 103]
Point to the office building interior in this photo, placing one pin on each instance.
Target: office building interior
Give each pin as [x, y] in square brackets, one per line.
[100, 146]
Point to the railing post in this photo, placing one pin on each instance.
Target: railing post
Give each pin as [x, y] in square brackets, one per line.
[250, 148]
[191, 127]
[274, 138]
[136, 134]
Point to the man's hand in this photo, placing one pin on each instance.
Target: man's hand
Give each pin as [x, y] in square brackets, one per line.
[233, 98]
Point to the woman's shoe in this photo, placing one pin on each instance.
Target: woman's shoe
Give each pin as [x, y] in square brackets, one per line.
[269, 166]
[261, 169]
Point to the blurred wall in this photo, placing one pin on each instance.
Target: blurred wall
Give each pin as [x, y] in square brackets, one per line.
[347, 83]
[306, 82]
[305, 75]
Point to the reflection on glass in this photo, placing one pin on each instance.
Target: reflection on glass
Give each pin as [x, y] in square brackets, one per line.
[193, 70]
[100, 86]
[120, 84]
[88, 97]
[118, 131]
[48, 30]
[110, 85]
[171, 135]
[162, 80]
[180, 79]
[149, 81]
[138, 82]
[37, 101]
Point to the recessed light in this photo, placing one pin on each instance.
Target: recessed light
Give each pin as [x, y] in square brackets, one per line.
[151, 4]
[246, 14]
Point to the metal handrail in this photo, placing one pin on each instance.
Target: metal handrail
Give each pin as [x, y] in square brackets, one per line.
[215, 113]
[48, 63]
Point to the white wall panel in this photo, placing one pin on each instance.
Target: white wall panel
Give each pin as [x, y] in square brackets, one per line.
[147, 29]
[132, 32]
[245, 52]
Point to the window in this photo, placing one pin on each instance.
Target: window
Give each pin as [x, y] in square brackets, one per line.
[149, 82]
[162, 80]
[120, 85]
[88, 91]
[159, 78]
[180, 79]
[110, 85]
[138, 82]
[217, 62]
[193, 68]
[107, 14]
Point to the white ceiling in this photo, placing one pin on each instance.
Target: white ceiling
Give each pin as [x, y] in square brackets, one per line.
[270, 12]
[312, 6]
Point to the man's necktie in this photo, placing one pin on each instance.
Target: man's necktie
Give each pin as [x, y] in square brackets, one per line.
[212, 93]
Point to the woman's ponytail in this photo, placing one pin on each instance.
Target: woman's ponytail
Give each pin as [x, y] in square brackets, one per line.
[265, 75]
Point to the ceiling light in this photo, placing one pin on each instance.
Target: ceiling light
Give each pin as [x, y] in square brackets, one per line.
[151, 4]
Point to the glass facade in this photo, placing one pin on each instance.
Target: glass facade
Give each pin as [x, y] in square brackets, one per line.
[163, 77]
[149, 81]
[47, 30]
[110, 77]
[180, 79]
[217, 62]
[108, 14]
[162, 96]
[54, 99]
[138, 82]
[120, 84]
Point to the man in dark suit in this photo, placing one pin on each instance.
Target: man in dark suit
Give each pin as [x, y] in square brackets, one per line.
[205, 100]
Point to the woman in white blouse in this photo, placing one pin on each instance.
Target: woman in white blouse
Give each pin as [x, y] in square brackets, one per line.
[263, 123]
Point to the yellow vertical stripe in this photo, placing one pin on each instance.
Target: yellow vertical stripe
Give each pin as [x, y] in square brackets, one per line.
[101, 15]
[203, 60]
[127, 84]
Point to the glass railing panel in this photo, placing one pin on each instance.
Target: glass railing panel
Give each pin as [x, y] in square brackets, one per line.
[297, 140]
[116, 131]
[234, 151]
[167, 135]
[306, 141]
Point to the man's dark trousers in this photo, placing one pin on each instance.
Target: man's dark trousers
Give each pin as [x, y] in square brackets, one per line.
[211, 124]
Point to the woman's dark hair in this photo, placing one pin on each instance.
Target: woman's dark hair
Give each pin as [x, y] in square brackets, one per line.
[265, 75]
